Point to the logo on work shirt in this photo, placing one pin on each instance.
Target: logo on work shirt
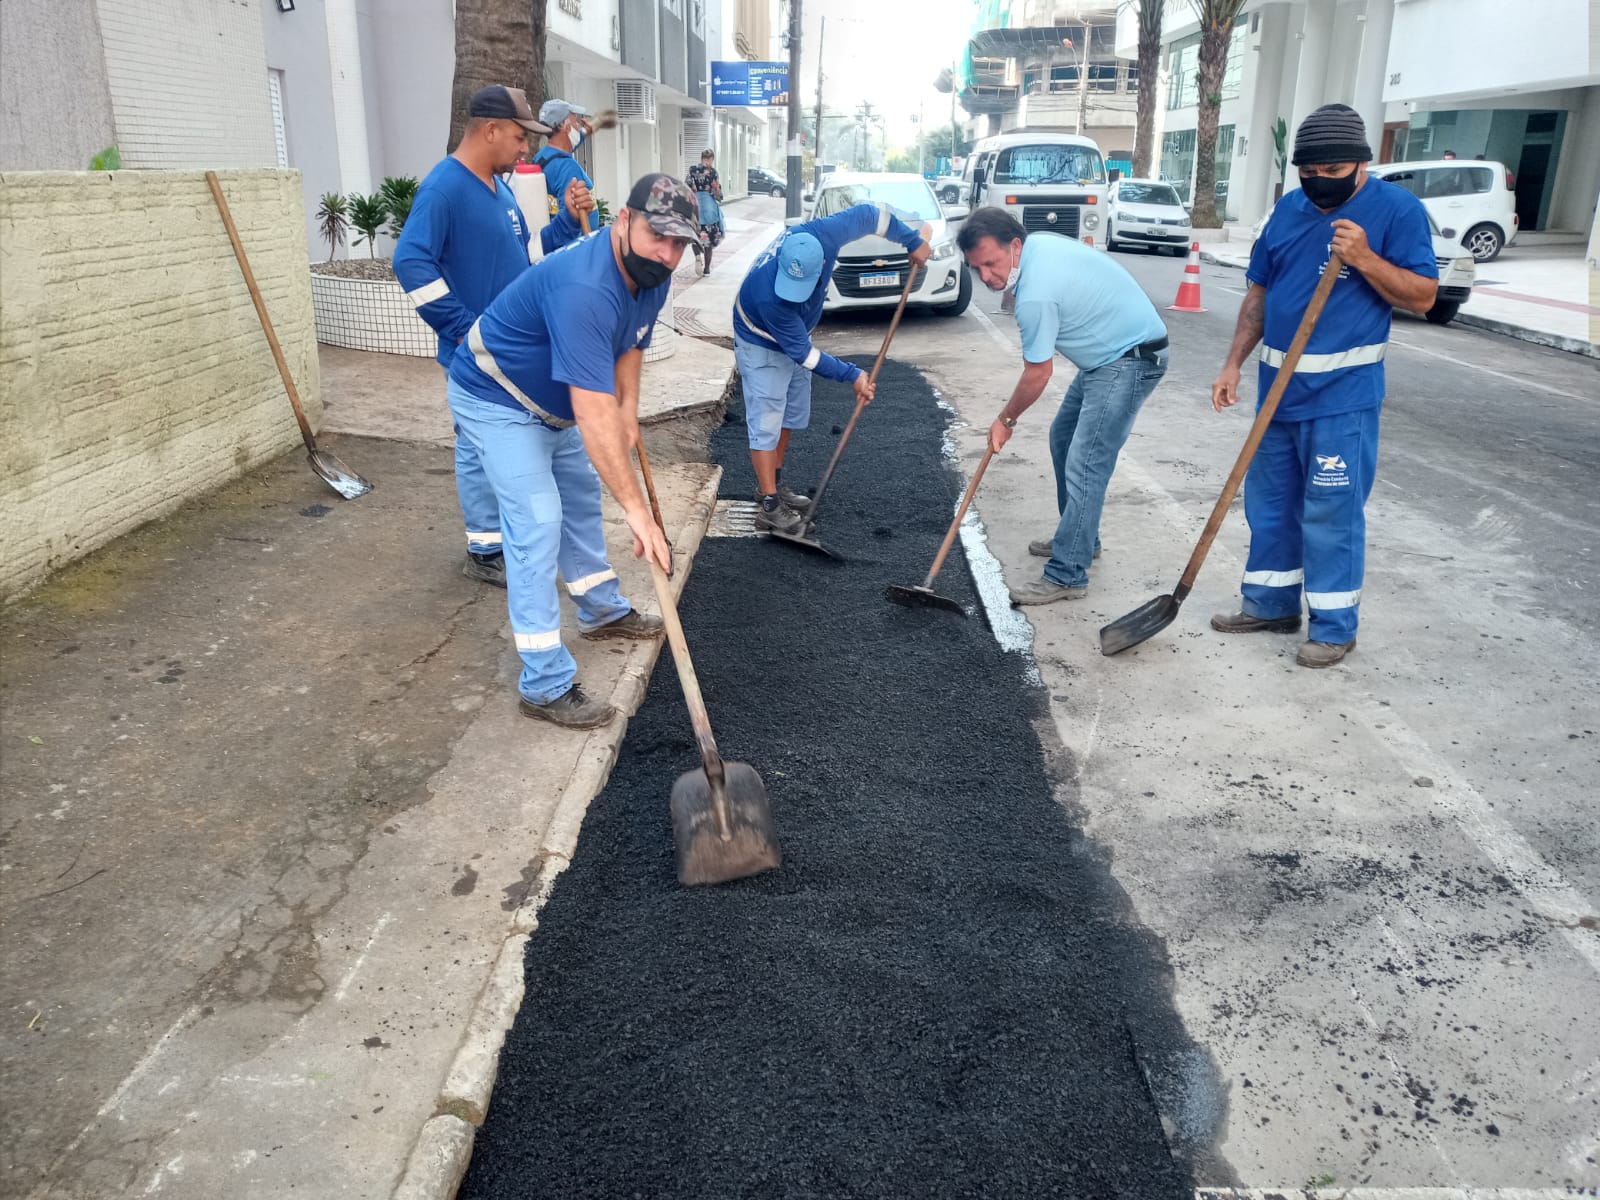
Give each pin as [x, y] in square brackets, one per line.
[1331, 471]
[639, 337]
[516, 221]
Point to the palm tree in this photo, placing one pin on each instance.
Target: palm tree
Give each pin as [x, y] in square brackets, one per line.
[333, 218]
[367, 214]
[1216, 31]
[497, 41]
[1151, 13]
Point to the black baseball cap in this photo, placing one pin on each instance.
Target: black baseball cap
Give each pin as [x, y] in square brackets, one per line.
[667, 205]
[506, 104]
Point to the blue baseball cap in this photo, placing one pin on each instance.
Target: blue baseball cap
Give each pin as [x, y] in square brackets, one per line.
[799, 267]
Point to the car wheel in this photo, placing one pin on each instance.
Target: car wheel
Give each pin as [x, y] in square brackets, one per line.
[950, 195]
[1443, 311]
[1484, 241]
[963, 297]
[1111, 237]
[1178, 251]
[776, 193]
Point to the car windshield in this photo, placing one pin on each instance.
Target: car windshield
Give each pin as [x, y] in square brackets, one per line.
[911, 200]
[1147, 193]
[1049, 164]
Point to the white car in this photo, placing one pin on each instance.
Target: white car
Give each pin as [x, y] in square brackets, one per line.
[871, 270]
[1457, 270]
[1474, 197]
[1147, 212]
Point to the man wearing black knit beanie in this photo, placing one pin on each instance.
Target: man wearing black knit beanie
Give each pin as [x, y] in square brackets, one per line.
[1307, 487]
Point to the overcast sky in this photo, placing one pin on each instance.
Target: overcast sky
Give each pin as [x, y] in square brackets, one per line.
[885, 51]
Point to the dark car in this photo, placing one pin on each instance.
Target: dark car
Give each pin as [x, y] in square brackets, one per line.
[763, 182]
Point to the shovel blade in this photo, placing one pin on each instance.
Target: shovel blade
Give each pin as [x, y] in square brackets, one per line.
[1140, 625]
[921, 597]
[337, 476]
[703, 854]
[802, 539]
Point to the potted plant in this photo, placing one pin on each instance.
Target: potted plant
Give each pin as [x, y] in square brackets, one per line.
[367, 215]
[333, 219]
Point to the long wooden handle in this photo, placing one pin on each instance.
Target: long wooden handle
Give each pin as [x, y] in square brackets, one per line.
[961, 511]
[650, 488]
[1291, 360]
[261, 310]
[583, 220]
[710, 757]
[850, 426]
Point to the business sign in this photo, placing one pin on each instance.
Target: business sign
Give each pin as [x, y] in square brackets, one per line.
[749, 84]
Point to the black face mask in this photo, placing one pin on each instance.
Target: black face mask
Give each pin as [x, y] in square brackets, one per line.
[1329, 192]
[647, 273]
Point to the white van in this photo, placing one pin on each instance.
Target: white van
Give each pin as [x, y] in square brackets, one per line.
[1474, 197]
[1051, 182]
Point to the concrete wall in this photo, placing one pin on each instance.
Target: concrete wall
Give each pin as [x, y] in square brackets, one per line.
[135, 373]
[55, 103]
[296, 43]
[1442, 48]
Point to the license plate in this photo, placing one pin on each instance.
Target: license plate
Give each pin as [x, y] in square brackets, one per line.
[892, 279]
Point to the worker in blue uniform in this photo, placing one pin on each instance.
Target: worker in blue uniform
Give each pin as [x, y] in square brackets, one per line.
[570, 125]
[778, 305]
[464, 241]
[1307, 486]
[547, 390]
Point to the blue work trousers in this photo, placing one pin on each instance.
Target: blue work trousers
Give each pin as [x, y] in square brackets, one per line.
[549, 500]
[1094, 420]
[480, 511]
[1304, 497]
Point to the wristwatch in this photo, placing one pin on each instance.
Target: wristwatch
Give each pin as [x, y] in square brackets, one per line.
[1008, 422]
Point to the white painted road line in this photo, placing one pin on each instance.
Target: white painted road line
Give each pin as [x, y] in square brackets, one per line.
[1337, 1192]
[1519, 380]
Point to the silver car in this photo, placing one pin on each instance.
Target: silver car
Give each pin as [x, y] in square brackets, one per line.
[1146, 212]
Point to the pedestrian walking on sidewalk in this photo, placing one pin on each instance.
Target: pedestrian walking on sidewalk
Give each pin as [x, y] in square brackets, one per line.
[547, 390]
[464, 241]
[1072, 299]
[778, 305]
[1306, 490]
[707, 186]
[571, 125]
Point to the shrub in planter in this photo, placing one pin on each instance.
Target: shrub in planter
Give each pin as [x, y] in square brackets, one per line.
[398, 194]
[367, 215]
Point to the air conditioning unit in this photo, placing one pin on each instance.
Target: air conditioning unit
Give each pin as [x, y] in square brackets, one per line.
[636, 101]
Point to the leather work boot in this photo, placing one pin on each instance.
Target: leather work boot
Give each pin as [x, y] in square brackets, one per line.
[1042, 548]
[793, 500]
[576, 709]
[487, 568]
[1244, 623]
[1045, 591]
[631, 624]
[782, 519]
[1324, 654]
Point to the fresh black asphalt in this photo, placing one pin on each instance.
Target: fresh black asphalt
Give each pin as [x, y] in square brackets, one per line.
[941, 993]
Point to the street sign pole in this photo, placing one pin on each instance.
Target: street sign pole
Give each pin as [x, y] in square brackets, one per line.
[816, 139]
[791, 206]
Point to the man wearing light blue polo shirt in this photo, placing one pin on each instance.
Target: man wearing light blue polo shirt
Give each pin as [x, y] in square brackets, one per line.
[1072, 299]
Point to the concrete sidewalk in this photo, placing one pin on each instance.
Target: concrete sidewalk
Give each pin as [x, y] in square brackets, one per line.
[1541, 290]
[274, 831]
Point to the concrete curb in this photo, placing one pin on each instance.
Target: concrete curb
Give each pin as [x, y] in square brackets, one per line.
[1217, 260]
[443, 1148]
[1538, 337]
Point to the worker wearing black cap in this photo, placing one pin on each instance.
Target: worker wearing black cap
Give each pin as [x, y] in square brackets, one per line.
[1307, 487]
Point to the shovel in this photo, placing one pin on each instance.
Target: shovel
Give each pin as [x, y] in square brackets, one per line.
[924, 594]
[805, 537]
[338, 476]
[1155, 615]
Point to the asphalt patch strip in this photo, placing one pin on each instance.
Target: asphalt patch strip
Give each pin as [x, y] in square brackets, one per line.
[941, 992]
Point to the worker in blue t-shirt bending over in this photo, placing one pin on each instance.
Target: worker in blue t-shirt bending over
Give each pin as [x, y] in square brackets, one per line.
[1307, 487]
[570, 125]
[779, 304]
[1073, 300]
[464, 241]
[547, 390]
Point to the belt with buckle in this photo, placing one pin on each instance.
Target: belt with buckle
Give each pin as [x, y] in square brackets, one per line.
[1147, 350]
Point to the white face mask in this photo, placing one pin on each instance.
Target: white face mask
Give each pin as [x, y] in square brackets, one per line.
[1016, 273]
[577, 136]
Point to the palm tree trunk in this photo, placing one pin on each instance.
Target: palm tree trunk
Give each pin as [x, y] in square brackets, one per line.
[1150, 15]
[1216, 23]
[497, 41]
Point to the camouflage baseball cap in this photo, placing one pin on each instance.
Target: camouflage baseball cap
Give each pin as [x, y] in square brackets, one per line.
[667, 205]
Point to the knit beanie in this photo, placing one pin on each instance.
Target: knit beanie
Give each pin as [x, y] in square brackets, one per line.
[1335, 133]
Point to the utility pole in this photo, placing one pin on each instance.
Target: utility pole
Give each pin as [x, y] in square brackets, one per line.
[1083, 79]
[817, 139]
[791, 207]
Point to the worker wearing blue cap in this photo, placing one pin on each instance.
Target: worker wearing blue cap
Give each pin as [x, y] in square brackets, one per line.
[779, 304]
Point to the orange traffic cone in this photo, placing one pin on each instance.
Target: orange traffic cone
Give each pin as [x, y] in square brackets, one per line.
[1189, 290]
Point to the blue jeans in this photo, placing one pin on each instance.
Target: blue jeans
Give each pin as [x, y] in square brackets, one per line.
[1095, 419]
[1304, 497]
[549, 498]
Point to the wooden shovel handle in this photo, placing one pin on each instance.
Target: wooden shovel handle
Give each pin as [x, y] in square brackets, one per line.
[583, 220]
[961, 511]
[261, 309]
[1291, 360]
[650, 488]
[710, 757]
[850, 426]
